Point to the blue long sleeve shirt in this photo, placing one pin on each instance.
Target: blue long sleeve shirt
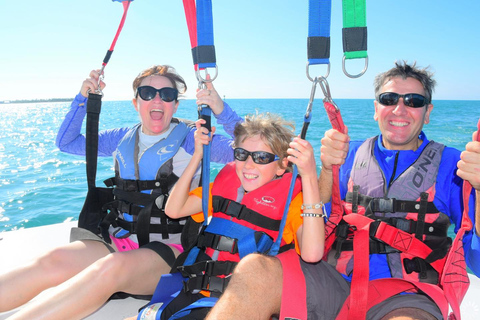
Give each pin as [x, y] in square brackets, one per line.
[71, 140]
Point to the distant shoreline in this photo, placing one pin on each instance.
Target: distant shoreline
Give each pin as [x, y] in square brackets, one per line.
[37, 100]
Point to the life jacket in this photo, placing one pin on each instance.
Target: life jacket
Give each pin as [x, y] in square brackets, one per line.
[241, 223]
[400, 221]
[141, 187]
[405, 205]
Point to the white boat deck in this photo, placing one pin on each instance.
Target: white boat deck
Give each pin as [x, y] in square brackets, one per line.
[17, 247]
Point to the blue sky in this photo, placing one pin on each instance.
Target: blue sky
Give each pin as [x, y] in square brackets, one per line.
[49, 47]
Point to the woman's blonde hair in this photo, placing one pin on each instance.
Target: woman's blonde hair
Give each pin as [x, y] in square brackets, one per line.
[275, 131]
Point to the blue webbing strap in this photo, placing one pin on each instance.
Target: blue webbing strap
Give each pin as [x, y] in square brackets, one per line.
[318, 42]
[276, 245]
[245, 235]
[167, 289]
[205, 50]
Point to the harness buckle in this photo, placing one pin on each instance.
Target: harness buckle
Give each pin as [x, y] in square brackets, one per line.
[385, 205]
[226, 244]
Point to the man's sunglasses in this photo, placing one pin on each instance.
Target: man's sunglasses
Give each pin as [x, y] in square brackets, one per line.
[259, 157]
[148, 93]
[413, 100]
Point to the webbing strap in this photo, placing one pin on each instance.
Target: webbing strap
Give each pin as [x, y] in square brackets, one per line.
[354, 29]
[126, 5]
[200, 28]
[94, 106]
[455, 280]
[318, 41]
[336, 214]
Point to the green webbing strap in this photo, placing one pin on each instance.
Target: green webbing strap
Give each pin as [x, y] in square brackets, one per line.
[354, 32]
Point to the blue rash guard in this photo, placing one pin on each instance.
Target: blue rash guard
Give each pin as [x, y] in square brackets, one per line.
[70, 140]
[448, 197]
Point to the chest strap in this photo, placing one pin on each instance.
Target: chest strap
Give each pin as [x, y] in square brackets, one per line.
[241, 212]
[387, 204]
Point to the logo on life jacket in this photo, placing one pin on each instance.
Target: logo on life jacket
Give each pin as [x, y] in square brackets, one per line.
[419, 176]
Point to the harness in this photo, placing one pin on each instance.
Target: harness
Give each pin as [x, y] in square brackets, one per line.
[395, 213]
[241, 223]
[411, 233]
[141, 187]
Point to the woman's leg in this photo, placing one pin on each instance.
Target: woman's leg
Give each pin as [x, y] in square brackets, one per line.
[23, 284]
[134, 272]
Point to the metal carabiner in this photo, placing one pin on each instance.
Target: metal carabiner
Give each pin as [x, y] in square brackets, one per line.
[323, 83]
[199, 75]
[356, 75]
[308, 72]
[312, 97]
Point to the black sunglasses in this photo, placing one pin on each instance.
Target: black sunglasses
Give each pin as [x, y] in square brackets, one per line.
[413, 100]
[147, 93]
[259, 157]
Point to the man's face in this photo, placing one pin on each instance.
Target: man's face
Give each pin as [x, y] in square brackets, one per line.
[400, 125]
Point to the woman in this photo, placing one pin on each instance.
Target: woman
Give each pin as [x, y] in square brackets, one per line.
[90, 269]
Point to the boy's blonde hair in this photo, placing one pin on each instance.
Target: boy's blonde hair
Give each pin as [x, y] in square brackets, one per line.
[275, 131]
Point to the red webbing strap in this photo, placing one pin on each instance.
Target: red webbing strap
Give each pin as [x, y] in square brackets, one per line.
[294, 290]
[455, 279]
[359, 287]
[336, 214]
[381, 289]
[407, 242]
[191, 17]
[126, 5]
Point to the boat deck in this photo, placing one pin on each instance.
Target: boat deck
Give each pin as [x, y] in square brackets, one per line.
[18, 247]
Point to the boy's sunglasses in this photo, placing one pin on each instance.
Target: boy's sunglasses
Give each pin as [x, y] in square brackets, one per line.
[147, 93]
[413, 100]
[259, 157]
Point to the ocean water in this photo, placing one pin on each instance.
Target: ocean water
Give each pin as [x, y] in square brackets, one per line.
[40, 185]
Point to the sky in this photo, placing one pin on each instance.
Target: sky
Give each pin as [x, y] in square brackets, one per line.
[47, 48]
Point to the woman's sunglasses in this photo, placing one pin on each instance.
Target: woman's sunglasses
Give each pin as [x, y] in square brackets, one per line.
[413, 100]
[259, 157]
[147, 93]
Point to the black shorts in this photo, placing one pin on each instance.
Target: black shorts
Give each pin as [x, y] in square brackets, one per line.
[163, 250]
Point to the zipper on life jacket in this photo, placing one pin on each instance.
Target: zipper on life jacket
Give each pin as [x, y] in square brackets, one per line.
[392, 178]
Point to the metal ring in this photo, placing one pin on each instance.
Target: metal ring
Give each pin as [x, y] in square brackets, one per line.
[199, 76]
[308, 72]
[357, 75]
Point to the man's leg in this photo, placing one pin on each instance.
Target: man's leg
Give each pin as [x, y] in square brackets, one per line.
[134, 272]
[23, 284]
[254, 292]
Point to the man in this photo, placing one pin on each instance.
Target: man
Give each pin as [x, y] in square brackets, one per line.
[400, 182]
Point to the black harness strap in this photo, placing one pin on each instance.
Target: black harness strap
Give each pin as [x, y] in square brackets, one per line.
[389, 204]
[240, 211]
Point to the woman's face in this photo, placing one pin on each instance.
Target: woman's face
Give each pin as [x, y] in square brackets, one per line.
[253, 175]
[155, 114]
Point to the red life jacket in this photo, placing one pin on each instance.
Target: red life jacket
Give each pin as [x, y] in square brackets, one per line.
[241, 223]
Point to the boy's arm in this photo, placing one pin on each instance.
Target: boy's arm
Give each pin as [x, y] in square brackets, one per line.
[180, 204]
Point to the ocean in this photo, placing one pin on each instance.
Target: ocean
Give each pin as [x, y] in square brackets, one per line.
[39, 185]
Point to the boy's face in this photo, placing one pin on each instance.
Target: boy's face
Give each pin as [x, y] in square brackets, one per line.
[251, 174]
